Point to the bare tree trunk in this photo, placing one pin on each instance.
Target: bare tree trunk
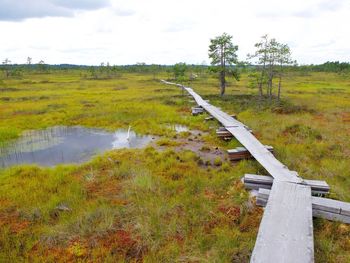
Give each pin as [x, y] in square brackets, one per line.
[260, 83]
[279, 87]
[262, 79]
[270, 86]
[222, 83]
[222, 72]
[280, 82]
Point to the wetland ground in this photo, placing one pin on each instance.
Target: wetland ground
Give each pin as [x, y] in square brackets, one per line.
[178, 199]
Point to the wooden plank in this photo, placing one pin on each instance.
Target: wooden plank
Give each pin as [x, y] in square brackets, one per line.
[240, 153]
[260, 179]
[243, 149]
[317, 184]
[286, 230]
[254, 181]
[331, 205]
[321, 207]
[211, 117]
[331, 216]
[252, 186]
[223, 134]
[197, 110]
[263, 196]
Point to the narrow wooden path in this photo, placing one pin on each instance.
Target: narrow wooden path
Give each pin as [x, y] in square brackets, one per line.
[286, 230]
[278, 170]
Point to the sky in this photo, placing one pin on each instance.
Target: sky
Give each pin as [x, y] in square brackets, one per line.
[168, 31]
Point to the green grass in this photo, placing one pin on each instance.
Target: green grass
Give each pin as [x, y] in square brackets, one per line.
[163, 206]
[68, 99]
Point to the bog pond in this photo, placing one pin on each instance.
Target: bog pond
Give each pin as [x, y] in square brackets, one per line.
[61, 144]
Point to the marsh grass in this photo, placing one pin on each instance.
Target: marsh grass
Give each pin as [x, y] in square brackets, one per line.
[163, 206]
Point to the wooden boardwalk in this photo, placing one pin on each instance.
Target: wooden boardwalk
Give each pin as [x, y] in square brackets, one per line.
[286, 230]
[275, 168]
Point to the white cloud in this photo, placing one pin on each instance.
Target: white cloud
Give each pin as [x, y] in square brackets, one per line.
[167, 32]
[17, 10]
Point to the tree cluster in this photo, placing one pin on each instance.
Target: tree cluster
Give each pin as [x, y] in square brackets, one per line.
[270, 60]
[271, 57]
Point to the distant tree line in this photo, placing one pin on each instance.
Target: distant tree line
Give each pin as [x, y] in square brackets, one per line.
[41, 66]
[265, 67]
[329, 66]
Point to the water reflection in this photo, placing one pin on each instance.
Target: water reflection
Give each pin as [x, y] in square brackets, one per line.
[66, 145]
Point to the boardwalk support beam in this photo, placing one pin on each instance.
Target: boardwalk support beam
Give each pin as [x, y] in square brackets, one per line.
[255, 182]
[321, 207]
[241, 153]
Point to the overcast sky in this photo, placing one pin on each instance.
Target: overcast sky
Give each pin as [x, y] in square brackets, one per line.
[168, 31]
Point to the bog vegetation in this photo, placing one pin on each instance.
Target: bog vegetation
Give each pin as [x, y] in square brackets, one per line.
[164, 203]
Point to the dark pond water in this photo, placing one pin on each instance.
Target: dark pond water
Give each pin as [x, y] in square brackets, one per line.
[61, 144]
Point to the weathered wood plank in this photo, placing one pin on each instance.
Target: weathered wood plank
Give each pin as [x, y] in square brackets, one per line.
[286, 230]
[331, 216]
[330, 205]
[258, 179]
[223, 134]
[254, 181]
[243, 149]
[197, 110]
[321, 207]
[261, 201]
[262, 197]
[252, 186]
[240, 153]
